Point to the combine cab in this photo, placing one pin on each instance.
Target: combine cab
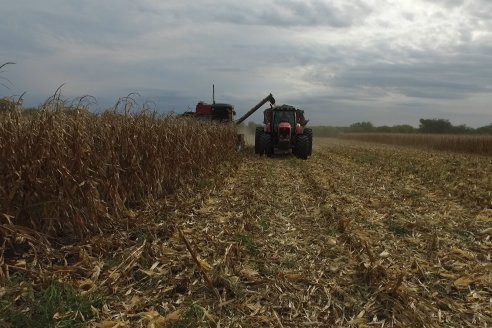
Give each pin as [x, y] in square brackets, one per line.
[213, 112]
[216, 111]
[284, 130]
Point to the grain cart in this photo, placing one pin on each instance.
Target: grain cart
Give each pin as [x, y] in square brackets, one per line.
[284, 130]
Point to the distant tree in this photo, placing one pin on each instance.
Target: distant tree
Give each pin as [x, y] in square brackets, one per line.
[361, 127]
[384, 129]
[435, 125]
[485, 129]
[325, 131]
[462, 129]
[403, 128]
[30, 111]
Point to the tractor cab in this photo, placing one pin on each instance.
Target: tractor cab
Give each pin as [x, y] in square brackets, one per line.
[284, 114]
[283, 123]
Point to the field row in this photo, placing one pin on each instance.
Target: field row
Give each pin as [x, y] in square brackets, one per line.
[473, 144]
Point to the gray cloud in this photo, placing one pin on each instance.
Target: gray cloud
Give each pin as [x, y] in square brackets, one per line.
[448, 3]
[341, 60]
[435, 76]
[294, 13]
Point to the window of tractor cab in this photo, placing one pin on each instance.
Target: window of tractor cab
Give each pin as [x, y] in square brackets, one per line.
[284, 116]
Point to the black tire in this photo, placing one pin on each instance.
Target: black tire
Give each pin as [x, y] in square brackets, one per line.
[309, 133]
[258, 133]
[302, 146]
[266, 145]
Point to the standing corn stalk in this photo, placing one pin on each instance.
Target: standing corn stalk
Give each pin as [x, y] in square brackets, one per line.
[2, 66]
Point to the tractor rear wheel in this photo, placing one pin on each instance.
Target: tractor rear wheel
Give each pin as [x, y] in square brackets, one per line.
[258, 133]
[309, 133]
[266, 145]
[302, 146]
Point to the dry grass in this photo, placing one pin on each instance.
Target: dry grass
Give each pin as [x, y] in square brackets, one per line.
[474, 144]
[69, 172]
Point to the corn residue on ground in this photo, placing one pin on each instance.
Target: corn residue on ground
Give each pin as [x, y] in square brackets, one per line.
[358, 235]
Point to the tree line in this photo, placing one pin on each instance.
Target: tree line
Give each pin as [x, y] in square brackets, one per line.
[432, 126]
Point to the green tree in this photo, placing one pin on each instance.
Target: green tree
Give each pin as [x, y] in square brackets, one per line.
[384, 129]
[403, 128]
[325, 131]
[435, 125]
[485, 129]
[462, 129]
[361, 127]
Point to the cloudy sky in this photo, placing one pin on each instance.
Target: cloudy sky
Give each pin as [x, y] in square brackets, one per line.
[343, 61]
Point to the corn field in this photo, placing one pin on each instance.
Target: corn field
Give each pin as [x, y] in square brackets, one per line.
[71, 172]
[359, 235]
[473, 144]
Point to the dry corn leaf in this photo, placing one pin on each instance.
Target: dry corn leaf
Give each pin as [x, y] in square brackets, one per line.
[161, 322]
[331, 241]
[85, 284]
[384, 254]
[448, 275]
[487, 232]
[205, 210]
[204, 265]
[111, 324]
[96, 272]
[134, 302]
[249, 274]
[463, 282]
[485, 216]
[293, 276]
[462, 253]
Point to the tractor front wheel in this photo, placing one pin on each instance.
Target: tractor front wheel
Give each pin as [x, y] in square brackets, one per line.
[266, 145]
[258, 133]
[309, 133]
[302, 146]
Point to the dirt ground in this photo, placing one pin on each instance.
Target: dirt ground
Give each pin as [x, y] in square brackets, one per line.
[358, 235]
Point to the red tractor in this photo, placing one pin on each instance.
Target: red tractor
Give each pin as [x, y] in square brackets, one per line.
[284, 130]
